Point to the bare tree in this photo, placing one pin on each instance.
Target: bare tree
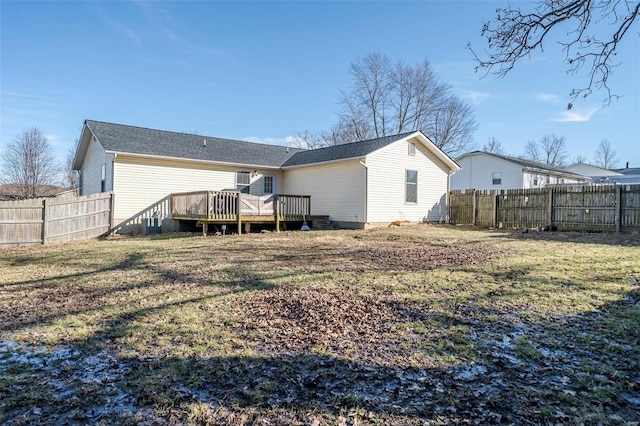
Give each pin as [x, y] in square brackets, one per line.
[606, 155]
[71, 177]
[588, 30]
[370, 95]
[452, 127]
[579, 159]
[493, 146]
[532, 151]
[550, 149]
[385, 100]
[29, 163]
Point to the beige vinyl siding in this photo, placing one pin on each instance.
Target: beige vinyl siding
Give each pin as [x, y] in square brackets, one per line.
[336, 189]
[91, 170]
[142, 182]
[386, 185]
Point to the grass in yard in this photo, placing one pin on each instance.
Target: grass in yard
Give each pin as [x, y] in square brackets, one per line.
[426, 324]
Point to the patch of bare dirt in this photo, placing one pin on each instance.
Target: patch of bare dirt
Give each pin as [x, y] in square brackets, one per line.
[294, 319]
[417, 257]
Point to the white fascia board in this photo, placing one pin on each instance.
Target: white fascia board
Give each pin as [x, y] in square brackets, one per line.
[191, 160]
[82, 147]
[440, 154]
[317, 163]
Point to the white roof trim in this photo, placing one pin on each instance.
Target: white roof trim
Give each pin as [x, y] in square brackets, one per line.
[318, 163]
[453, 166]
[190, 160]
[440, 154]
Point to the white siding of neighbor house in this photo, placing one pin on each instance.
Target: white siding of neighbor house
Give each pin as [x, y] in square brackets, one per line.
[591, 171]
[477, 173]
[91, 169]
[386, 185]
[544, 179]
[336, 189]
[142, 182]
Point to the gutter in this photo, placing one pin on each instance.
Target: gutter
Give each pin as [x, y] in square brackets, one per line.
[363, 163]
[191, 160]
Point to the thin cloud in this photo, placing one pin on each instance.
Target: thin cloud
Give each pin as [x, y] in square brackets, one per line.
[572, 116]
[122, 29]
[475, 97]
[545, 97]
[286, 141]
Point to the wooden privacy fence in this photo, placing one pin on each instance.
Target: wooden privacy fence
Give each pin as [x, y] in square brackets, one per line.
[577, 207]
[53, 220]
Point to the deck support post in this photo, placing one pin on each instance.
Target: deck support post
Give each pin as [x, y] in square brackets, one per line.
[276, 208]
[205, 228]
[238, 213]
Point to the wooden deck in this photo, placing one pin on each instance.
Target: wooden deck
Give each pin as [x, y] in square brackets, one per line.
[225, 207]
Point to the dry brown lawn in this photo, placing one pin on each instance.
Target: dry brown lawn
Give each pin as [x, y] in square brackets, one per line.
[413, 325]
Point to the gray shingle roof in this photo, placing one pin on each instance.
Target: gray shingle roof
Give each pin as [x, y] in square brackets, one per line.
[628, 171]
[139, 140]
[525, 163]
[341, 152]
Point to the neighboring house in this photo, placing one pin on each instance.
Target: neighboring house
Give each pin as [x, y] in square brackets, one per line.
[374, 182]
[15, 191]
[630, 175]
[482, 170]
[591, 171]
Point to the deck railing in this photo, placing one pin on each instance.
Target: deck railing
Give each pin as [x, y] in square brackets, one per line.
[225, 205]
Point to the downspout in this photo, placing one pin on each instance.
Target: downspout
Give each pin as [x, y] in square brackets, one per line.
[113, 172]
[112, 220]
[363, 162]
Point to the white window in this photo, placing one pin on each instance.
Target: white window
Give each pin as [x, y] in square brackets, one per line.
[268, 185]
[243, 181]
[412, 148]
[535, 181]
[497, 178]
[103, 178]
[411, 184]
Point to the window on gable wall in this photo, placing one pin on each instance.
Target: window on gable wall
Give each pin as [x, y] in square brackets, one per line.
[411, 184]
[243, 181]
[412, 148]
[497, 178]
[103, 178]
[535, 181]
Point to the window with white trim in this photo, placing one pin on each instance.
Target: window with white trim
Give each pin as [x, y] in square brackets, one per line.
[268, 185]
[243, 181]
[412, 148]
[497, 178]
[411, 185]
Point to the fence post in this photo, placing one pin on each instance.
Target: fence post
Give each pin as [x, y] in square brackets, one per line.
[550, 208]
[618, 206]
[238, 213]
[495, 211]
[45, 218]
[112, 219]
[474, 219]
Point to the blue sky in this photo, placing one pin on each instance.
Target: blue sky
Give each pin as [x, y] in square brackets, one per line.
[264, 71]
